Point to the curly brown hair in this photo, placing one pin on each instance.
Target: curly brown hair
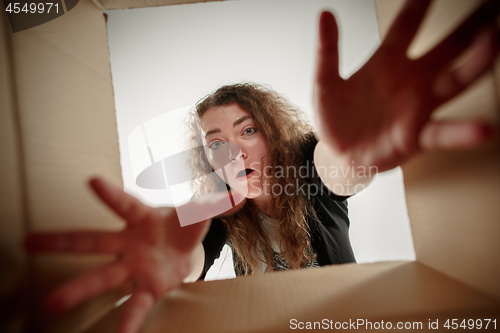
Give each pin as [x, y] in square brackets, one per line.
[285, 129]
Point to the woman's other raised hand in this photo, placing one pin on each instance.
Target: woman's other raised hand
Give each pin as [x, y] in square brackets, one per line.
[381, 116]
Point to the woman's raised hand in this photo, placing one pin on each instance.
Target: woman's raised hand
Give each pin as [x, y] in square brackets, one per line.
[153, 252]
[380, 116]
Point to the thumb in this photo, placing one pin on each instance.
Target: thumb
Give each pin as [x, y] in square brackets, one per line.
[451, 135]
[327, 62]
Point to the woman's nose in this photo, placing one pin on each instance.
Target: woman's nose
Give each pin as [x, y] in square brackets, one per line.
[234, 152]
[227, 153]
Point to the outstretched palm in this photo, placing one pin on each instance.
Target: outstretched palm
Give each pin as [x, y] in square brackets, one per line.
[154, 253]
[381, 115]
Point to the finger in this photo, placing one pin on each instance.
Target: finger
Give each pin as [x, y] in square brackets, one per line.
[135, 310]
[484, 50]
[126, 206]
[209, 206]
[453, 135]
[406, 24]
[78, 241]
[87, 286]
[460, 39]
[327, 70]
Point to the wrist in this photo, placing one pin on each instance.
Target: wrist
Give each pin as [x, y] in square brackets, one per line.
[197, 262]
[339, 172]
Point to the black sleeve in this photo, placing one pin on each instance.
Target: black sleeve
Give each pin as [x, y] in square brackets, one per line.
[330, 226]
[212, 244]
[313, 176]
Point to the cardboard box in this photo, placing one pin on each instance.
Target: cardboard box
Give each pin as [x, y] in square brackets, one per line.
[58, 128]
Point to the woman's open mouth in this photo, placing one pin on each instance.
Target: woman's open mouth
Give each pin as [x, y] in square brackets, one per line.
[245, 174]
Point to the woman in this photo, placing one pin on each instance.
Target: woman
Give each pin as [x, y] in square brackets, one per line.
[377, 118]
[272, 165]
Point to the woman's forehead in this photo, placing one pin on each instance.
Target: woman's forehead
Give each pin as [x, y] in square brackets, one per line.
[220, 115]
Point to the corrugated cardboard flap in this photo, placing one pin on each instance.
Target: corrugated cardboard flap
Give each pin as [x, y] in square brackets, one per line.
[390, 291]
[129, 4]
[453, 197]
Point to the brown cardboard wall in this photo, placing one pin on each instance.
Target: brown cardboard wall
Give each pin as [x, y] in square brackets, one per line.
[453, 197]
[123, 4]
[390, 291]
[66, 107]
[12, 227]
[68, 133]
[11, 207]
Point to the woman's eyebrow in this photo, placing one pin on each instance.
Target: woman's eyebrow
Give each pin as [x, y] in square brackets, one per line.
[240, 120]
[216, 130]
[236, 123]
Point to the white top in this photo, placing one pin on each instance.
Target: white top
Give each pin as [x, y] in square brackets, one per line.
[269, 226]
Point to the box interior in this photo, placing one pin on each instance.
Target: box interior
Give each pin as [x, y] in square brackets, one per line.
[59, 74]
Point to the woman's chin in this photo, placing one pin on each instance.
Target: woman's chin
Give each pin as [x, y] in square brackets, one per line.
[251, 189]
[247, 192]
[253, 193]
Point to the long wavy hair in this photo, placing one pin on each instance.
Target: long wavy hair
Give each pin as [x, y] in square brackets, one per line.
[285, 129]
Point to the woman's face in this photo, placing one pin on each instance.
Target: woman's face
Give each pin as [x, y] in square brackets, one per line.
[237, 145]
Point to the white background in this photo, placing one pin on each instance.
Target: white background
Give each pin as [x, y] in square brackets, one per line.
[164, 59]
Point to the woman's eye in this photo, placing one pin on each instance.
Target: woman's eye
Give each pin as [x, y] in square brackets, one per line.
[215, 144]
[250, 131]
